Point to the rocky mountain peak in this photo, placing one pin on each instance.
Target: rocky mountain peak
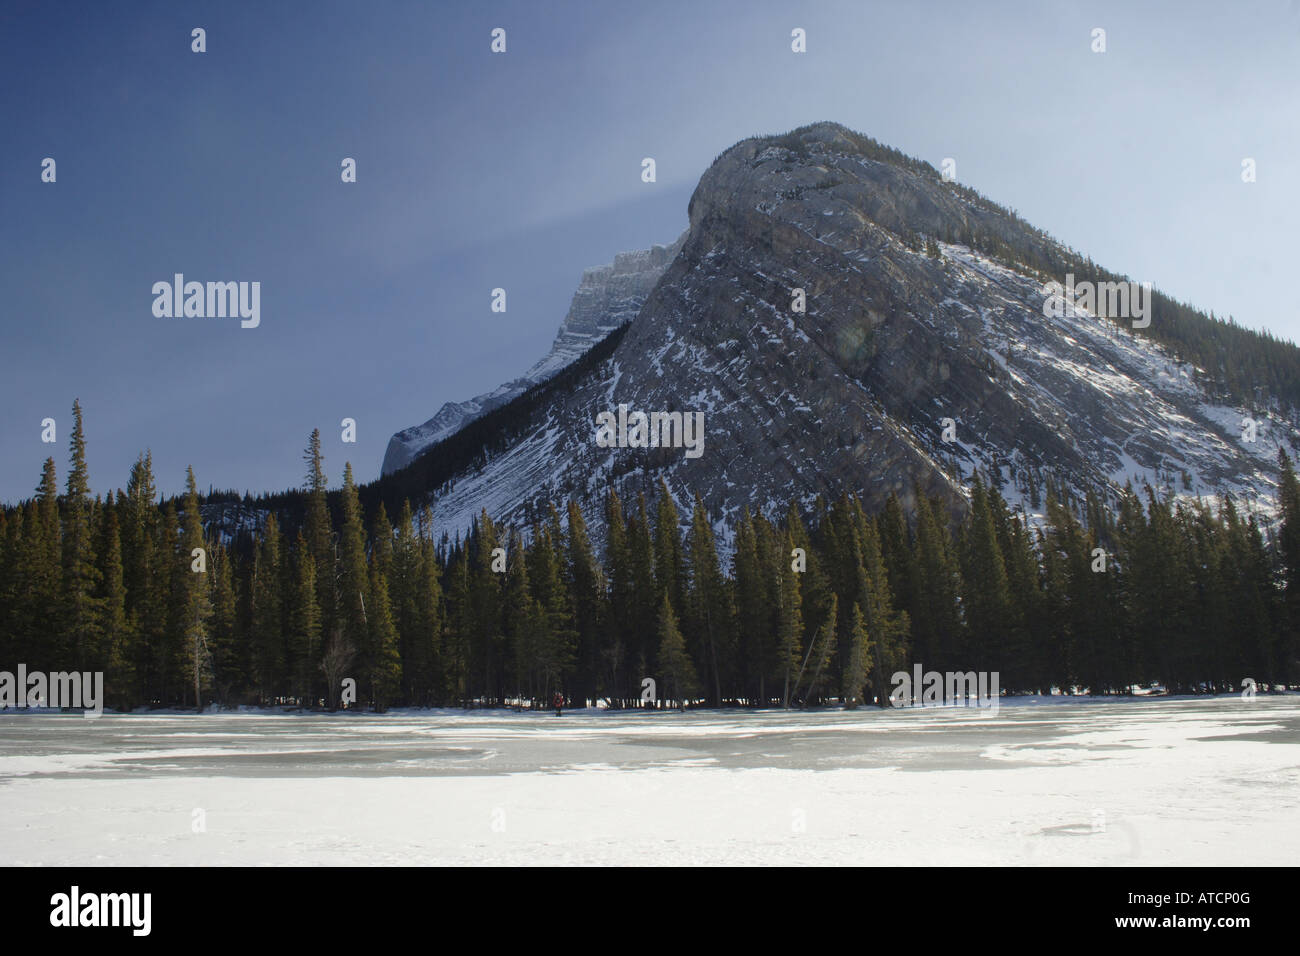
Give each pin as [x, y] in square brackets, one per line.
[843, 319]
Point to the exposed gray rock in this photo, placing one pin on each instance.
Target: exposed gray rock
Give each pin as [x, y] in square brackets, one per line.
[851, 395]
[607, 297]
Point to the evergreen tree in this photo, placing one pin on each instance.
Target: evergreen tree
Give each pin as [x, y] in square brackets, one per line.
[857, 668]
[80, 612]
[385, 670]
[381, 542]
[645, 604]
[427, 646]
[621, 622]
[670, 570]
[455, 657]
[935, 611]
[38, 589]
[303, 624]
[816, 584]
[774, 565]
[896, 551]
[1018, 668]
[268, 613]
[484, 622]
[11, 537]
[556, 646]
[354, 579]
[821, 651]
[522, 621]
[709, 602]
[168, 657]
[195, 604]
[319, 532]
[404, 581]
[228, 670]
[990, 614]
[597, 659]
[675, 664]
[144, 572]
[753, 616]
[1288, 540]
[790, 625]
[115, 632]
[889, 627]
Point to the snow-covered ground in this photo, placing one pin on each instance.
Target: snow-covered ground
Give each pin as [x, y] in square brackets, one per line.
[1168, 781]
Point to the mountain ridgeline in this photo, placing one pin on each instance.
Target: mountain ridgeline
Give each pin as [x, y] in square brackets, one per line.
[608, 297]
[923, 306]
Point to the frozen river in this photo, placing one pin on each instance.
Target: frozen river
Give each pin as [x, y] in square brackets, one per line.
[1134, 782]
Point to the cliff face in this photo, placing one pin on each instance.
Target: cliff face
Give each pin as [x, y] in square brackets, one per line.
[898, 334]
[607, 297]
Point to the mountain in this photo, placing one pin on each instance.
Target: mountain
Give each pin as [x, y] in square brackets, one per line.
[608, 297]
[924, 302]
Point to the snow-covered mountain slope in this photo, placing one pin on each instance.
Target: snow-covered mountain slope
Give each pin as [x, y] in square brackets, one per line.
[853, 393]
[607, 297]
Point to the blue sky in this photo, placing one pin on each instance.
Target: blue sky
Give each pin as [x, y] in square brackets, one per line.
[521, 169]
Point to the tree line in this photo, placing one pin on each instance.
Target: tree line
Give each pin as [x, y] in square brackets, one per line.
[809, 608]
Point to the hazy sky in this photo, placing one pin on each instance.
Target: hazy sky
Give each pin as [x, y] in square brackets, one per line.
[478, 170]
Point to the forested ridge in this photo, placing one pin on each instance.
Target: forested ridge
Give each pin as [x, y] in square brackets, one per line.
[810, 608]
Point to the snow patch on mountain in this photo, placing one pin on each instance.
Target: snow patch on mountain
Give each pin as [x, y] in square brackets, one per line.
[607, 297]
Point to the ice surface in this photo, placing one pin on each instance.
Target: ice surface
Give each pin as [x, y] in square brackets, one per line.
[1168, 781]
